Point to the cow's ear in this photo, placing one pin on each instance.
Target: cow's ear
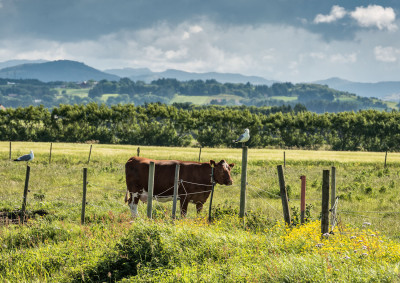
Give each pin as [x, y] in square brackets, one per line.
[231, 165]
[212, 162]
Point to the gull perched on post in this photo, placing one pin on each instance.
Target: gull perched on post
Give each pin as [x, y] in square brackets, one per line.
[243, 137]
[26, 157]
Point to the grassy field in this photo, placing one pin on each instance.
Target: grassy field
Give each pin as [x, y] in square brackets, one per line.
[54, 247]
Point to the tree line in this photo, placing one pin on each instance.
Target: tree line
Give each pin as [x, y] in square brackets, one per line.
[316, 98]
[180, 125]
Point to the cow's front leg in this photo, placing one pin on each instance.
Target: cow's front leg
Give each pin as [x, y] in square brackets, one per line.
[199, 207]
[133, 204]
[184, 205]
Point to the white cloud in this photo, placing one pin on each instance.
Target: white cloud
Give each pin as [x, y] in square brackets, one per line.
[272, 51]
[387, 54]
[343, 58]
[375, 16]
[336, 13]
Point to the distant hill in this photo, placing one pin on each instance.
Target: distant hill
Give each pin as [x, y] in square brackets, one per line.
[62, 70]
[383, 90]
[147, 76]
[12, 63]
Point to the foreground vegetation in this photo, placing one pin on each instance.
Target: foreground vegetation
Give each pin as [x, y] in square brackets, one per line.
[54, 247]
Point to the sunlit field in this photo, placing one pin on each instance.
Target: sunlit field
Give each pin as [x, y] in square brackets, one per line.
[54, 246]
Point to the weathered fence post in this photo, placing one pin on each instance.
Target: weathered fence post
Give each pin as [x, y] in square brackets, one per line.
[84, 196]
[138, 151]
[150, 187]
[199, 154]
[243, 182]
[285, 204]
[90, 152]
[176, 185]
[284, 159]
[385, 158]
[23, 209]
[303, 199]
[10, 151]
[51, 147]
[333, 196]
[325, 202]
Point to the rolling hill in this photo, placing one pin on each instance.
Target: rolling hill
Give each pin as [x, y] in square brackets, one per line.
[62, 70]
[146, 75]
[382, 90]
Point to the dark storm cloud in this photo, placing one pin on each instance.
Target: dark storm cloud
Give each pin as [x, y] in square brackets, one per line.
[69, 20]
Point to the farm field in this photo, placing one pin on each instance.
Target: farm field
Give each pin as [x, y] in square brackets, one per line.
[54, 247]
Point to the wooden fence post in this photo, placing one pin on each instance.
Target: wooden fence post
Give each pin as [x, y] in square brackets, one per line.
[10, 151]
[325, 202]
[303, 199]
[333, 196]
[176, 185]
[150, 187]
[199, 154]
[84, 196]
[51, 147]
[23, 209]
[138, 151]
[243, 182]
[284, 159]
[385, 158]
[285, 204]
[90, 152]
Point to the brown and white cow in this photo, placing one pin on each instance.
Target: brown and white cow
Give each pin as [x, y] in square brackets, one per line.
[195, 186]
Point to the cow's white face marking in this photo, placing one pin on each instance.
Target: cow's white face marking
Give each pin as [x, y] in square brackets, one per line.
[134, 209]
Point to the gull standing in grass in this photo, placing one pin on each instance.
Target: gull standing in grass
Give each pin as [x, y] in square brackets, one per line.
[244, 137]
[26, 157]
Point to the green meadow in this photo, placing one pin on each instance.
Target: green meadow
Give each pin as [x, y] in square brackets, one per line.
[111, 246]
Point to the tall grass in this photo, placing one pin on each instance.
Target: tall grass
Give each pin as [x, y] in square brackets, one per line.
[54, 247]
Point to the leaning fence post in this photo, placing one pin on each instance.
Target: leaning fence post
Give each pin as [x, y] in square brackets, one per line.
[243, 182]
[51, 147]
[138, 151]
[28, 170]
[285, 204]
[150, 189]
[325, 203]
[90, 152]
[333, 196]
[176, 185]
[10, 151]
[84, 196]
[303, 199]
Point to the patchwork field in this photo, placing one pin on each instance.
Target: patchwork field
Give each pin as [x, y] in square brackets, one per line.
[53, 246]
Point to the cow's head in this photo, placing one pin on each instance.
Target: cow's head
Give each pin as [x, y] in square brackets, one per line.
[222, 172]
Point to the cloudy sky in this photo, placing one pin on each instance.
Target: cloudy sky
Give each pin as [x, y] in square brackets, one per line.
[285, 40]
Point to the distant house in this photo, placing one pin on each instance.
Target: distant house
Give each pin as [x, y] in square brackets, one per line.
[2, 107]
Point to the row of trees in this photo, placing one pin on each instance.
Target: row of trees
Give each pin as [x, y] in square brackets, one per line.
[158, 124]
